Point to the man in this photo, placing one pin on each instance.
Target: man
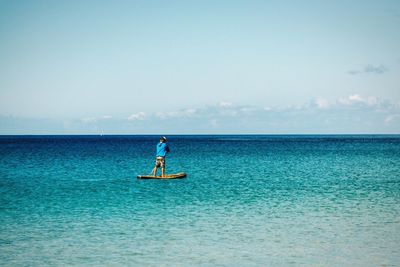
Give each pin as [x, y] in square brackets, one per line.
[161, 151]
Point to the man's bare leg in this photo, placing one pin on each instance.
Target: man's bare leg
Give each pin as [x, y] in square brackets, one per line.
[162, 172]
[155, 171]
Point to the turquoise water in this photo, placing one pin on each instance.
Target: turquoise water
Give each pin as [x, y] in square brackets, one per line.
[247, 201]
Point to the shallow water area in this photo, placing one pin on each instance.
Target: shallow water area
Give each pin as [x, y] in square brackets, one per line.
[248, 200]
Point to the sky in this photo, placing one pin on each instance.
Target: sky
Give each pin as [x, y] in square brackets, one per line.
[188, 67]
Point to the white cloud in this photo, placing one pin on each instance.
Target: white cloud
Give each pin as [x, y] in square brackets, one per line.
[169, 114]
[372, 100]
[189, 112]
[89, 120]
[392, 118]
[322, 103]
[348, 101]
[223, 104]
[94, 119]
[137, 116]
[351, 114]
[356, 99]
[161, 115]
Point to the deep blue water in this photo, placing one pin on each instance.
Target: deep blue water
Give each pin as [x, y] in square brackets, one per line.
[252, 200]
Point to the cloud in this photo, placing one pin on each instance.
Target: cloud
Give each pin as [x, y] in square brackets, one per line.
[164, 115]
[320, 103]
[375, 69]
[354, 113]
[370, 69]
[224, 104]
[323, 103]
[356, 99]
[190, 111]
[89, 120]
[392, 118]
[92, 120]
[137, 116]
[183, 113]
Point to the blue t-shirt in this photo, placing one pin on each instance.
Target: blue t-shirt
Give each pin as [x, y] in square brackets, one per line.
[162, 149]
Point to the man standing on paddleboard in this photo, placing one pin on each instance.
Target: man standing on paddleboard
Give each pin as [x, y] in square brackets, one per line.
[161, 151]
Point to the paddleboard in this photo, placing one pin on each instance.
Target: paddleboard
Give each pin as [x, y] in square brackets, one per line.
[168, 176]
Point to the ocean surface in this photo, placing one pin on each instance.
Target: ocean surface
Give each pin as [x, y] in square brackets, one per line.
[248, 200]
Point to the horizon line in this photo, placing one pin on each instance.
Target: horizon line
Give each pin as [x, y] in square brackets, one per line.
[204, 134]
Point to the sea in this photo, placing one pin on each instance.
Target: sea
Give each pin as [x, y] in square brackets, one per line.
[247, 200]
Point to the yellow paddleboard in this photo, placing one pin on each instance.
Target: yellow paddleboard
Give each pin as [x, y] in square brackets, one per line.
[167, 176]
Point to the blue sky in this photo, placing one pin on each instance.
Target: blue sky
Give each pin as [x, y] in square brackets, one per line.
[85, 67]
